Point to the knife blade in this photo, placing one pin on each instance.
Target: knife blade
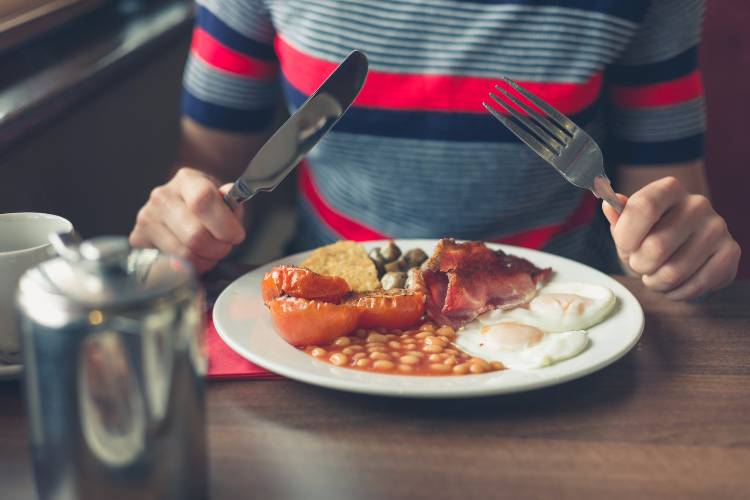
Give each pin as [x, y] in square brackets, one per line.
[297, 136]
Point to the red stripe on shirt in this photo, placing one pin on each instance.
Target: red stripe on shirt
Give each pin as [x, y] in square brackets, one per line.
[429, 92]
[537, 238]
[661, 94]
[335, 220]
[222, 57]
[349, 229]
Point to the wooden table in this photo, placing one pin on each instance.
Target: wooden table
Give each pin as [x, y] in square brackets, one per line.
[671, 419]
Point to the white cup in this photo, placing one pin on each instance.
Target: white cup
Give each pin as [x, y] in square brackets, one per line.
[23, 244]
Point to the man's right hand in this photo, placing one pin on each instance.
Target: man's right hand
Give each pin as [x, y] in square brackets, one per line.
[187, 217]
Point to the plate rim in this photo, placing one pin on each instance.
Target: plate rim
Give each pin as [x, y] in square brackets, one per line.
[417, 392]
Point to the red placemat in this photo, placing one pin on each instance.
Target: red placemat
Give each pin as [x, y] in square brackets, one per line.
[225, 364]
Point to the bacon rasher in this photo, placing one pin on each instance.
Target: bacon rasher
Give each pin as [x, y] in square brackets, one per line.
[463, 280]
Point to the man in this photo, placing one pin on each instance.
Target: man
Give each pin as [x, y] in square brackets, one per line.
[418, 156]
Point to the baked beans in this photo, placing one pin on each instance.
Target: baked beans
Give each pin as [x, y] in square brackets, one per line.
[425, 350]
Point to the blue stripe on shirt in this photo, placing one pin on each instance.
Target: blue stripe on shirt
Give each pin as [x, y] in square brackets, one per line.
[676, 67]
[215, 27]
[223, 118]
[649, 153]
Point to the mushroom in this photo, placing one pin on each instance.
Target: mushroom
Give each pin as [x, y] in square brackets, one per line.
[379, 261]
[396, 266]
[390, 252]
[393, 280]
[415, 258]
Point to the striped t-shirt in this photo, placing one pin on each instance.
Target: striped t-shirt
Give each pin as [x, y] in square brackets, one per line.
[417, 155]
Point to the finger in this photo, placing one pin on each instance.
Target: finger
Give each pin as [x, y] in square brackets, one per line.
[717, 272]
[138, 239]
[669, 234]
[681, 265]
[644, 209]
[193, 234]
[140, 236]
[167, 210]
[224, 189]
[205, 201]
[610, 213]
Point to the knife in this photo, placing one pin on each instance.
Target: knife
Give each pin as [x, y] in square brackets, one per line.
[297, 136]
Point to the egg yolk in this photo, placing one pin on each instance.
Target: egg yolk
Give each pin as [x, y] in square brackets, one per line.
[559, 303]
[511, 336]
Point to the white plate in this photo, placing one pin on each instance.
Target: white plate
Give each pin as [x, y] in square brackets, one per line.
[244, 322]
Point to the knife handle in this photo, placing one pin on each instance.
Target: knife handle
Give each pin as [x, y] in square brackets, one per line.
[235, 197]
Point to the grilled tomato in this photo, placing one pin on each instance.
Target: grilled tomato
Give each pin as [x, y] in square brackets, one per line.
[303, 322]
[302, 283]
[396, 308]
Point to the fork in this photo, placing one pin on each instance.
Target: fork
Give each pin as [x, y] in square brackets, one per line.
[564, 145]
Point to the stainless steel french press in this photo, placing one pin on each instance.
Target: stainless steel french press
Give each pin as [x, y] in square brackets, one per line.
[114, 369]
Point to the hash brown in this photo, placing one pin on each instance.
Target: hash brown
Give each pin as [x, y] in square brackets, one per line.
[348, 260]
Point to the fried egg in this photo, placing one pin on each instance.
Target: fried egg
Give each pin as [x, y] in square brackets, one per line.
[558, 307]
[548, 328]
[519, 346]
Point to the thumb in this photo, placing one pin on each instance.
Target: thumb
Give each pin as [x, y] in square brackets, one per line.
[225, 188]
[610, 213]
[240, 213]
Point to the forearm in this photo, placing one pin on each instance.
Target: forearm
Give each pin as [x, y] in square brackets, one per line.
[223, 155]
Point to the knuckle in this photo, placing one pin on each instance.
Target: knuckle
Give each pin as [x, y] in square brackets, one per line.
[183, 173]
[639, 266]
[670, 276]
[143, 217]
[146, 217]
[729, 257]
[202, 200]
[691, 288]
[716, 228]
[699, 204]
[646, 206]
[670, 183]
[198, 241]
[655, 248]
[735, 251]
[136, 240]
[159, 195]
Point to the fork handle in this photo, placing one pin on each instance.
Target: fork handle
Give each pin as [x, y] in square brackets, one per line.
[602, 189]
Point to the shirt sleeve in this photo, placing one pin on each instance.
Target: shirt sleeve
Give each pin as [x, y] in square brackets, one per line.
[231, 78]
[656, 110]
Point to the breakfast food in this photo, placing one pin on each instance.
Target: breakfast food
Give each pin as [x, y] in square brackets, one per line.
[347, 260]
[558, 307]
[468, 309]
[304, 322]
[304, 283]
[548, 328]
[422, 350]
[463, 280]
[307, 308]
[387, 308]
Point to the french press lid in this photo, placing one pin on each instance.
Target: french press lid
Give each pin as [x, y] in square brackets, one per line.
[101, 273]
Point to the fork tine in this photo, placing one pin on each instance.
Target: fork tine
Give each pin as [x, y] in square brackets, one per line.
[541, 120]
[530, 141]
[560, 118]
[551, 143]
